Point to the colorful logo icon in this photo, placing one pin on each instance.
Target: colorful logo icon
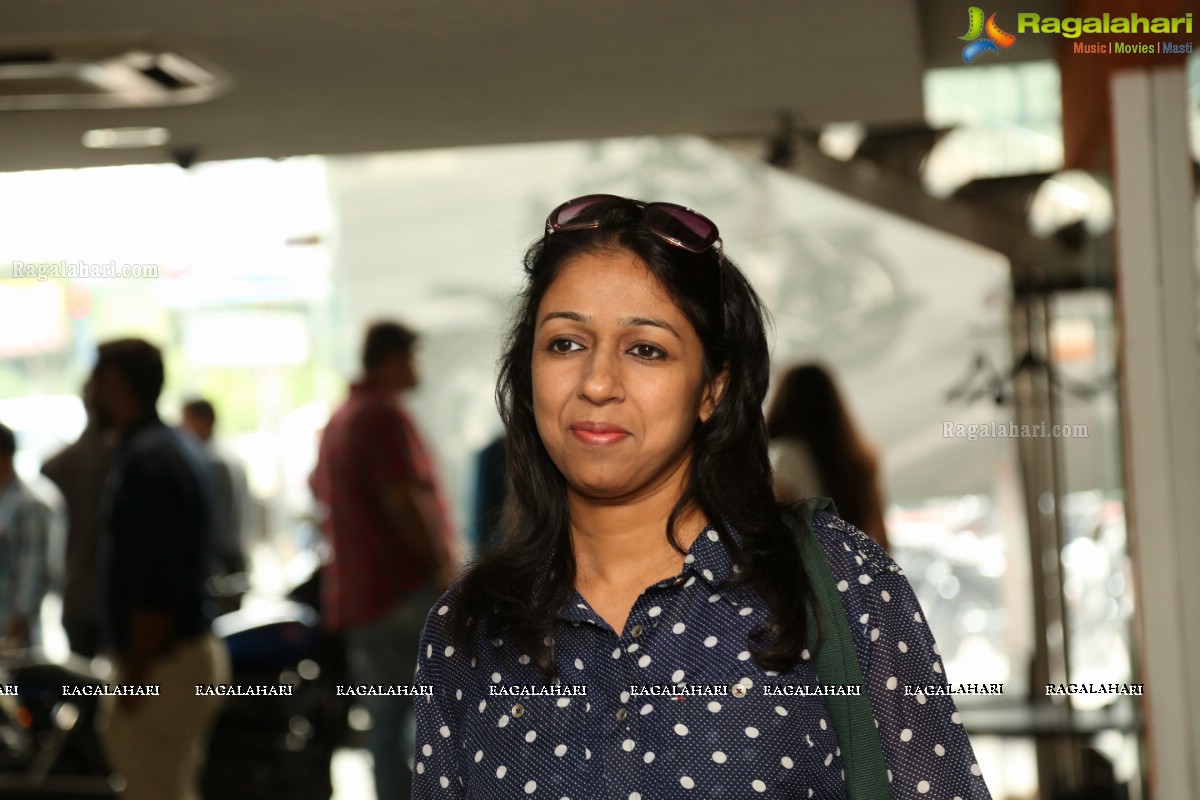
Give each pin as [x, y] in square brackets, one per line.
[983, 38]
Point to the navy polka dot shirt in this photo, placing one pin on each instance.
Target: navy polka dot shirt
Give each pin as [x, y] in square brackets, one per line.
[606, 733]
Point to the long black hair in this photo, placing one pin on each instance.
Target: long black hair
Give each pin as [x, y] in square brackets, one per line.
[516, 590]
[809, 407]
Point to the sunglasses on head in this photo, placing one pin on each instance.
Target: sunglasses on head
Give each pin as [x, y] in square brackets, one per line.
[674, 224]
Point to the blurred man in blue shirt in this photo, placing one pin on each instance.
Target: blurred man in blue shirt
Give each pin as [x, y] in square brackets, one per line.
[154, 567]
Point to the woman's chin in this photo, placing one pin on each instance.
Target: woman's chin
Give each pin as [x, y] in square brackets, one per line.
[600, 488]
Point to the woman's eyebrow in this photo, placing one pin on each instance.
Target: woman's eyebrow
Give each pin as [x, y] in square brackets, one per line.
[626, 322]
[573, 316]
[640, 322]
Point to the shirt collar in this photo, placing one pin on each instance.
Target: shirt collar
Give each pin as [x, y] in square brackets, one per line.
[365, 388]
[145, 423]
[707, 561]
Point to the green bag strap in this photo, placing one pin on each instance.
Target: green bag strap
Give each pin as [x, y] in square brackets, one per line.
[836, 662]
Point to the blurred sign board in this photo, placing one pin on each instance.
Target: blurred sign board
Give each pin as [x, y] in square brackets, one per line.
[32, 319]
[246, 338]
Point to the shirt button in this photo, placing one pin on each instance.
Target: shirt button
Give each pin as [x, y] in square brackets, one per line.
[678, 582]
[636, 631]
[738, 690]
[518, 710]
[622, 713]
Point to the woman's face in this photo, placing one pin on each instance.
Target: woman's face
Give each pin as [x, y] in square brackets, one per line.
[617, 379]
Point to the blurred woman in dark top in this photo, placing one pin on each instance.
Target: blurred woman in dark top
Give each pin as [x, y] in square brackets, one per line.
[817, 451]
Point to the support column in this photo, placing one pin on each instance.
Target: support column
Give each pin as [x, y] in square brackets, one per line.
[1060, 772]
[1160, 386]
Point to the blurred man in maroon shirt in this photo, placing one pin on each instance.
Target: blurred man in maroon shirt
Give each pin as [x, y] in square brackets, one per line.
[393, 548]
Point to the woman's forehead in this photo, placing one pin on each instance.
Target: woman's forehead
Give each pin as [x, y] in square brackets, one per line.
[609, 286]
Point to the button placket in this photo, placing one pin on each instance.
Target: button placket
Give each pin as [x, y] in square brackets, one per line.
[623, 747]
[633, 675]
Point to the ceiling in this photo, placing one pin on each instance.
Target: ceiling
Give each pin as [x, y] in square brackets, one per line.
[310, 76]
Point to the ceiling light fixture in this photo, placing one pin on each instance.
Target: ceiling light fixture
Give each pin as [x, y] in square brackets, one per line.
[125, 138]
[102, 71]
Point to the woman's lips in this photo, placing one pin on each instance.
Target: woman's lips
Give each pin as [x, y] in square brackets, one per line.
[598, 433]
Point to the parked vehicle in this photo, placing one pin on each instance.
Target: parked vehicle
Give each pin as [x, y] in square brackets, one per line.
[49, 749]
[278, 746]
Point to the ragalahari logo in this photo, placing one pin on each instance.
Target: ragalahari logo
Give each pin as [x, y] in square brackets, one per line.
[983, 38]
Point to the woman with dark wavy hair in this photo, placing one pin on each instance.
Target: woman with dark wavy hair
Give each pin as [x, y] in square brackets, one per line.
[643, 629]
[816, 449]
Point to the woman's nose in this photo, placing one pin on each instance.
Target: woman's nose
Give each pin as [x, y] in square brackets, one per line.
[601, 379]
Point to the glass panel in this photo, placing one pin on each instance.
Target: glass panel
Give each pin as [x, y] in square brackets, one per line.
[1006, 120]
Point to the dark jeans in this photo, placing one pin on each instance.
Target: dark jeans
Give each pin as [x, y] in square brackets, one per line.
[83, 635]
[384, 651]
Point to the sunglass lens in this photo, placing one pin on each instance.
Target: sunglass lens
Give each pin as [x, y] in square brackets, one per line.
[584, 212]
[693, 231]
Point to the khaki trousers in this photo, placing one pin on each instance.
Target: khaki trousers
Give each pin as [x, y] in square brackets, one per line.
[160, 746]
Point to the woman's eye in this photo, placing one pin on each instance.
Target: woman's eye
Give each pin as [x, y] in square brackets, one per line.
[564, 346]
[647, 352]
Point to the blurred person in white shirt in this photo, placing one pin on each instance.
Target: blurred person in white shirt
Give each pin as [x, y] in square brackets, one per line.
[25, 522]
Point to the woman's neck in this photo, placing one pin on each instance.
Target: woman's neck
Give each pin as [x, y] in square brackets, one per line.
[623, 546]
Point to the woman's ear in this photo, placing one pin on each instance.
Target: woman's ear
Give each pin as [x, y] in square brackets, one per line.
[714, 393]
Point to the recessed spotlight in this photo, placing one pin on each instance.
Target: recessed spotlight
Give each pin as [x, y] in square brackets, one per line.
[125, 138]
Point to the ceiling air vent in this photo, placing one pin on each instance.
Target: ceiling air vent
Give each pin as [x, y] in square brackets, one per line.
[118, 72]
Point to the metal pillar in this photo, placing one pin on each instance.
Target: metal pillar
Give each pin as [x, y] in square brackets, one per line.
[1058, 760]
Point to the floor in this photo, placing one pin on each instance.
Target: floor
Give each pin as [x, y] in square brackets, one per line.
[351, 772]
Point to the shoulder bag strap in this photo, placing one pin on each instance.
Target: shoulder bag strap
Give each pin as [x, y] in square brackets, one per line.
[836, 662]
